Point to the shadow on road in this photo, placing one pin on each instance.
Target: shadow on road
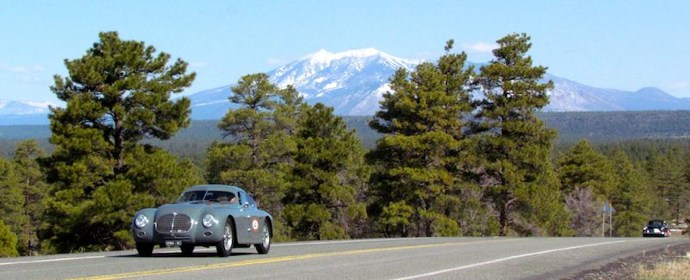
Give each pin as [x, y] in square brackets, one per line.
[180, 255]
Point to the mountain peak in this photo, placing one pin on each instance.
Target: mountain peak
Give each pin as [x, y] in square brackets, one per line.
[324, 56]
[650, 90]
[354, 81]
[359, 53]
[318, 55]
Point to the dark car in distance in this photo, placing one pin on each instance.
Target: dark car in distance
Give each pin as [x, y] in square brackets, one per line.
[656, 228]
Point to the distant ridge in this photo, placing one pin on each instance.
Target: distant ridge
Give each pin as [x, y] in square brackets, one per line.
[354, 81]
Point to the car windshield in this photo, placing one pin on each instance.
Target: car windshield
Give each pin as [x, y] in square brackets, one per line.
[655, 223]
[204, 195]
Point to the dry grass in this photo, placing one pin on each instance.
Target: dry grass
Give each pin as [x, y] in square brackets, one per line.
[677, 269]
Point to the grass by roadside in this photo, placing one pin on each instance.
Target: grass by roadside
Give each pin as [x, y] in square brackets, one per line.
[675, 269]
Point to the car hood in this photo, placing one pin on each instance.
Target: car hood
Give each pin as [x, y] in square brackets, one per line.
[193, 210]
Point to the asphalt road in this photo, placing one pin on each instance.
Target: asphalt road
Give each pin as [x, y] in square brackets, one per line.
[412, 258]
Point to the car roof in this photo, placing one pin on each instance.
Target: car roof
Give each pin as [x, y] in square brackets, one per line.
[214, 187]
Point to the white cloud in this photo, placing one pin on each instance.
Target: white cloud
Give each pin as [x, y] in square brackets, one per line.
[197, 64]
[30, 79]
[479, 48]
[21, 69]
[679, 85]
[276, 62]
[678, 88]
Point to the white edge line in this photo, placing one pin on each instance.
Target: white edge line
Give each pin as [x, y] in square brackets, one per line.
[505, 259]
[204, 249]
[52, 260]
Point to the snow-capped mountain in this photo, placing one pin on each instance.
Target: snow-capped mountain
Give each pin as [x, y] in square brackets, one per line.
[353, 82]
[572, 96]
[16, 112]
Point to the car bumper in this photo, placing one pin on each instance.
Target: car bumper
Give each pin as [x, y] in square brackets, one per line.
[196, 236]
[655, 234]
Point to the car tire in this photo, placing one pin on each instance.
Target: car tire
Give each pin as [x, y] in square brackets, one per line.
[144, 249]
[265, 245]
[187, 249]
[224, 246]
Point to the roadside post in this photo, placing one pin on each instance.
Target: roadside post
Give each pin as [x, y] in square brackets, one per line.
[607, 209]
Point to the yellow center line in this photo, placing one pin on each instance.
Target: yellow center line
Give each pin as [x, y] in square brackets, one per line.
[260, 261]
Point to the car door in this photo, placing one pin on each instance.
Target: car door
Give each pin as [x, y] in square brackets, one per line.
[244, 226]
[255, 220]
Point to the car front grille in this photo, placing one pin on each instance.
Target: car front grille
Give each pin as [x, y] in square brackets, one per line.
[173, 223]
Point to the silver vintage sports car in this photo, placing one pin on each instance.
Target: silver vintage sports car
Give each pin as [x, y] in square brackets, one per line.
[205, 215]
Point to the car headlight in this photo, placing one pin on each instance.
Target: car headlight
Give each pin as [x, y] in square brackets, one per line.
[208, 221]
[141, 221]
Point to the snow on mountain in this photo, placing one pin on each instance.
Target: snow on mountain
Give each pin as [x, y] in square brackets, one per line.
[572, 96]
[350, 81]
[17, 112]
[353, 82]
[9, 107]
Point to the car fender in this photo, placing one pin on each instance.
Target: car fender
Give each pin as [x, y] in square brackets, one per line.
[144, 234]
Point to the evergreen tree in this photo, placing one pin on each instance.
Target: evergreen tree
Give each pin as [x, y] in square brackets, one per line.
[12, 215]
[260, 146]
[8, 241]
[666, 178]
[631, 199]
[418, 162]
[514, 144]
[543, 212]
[324, 199]
[587, 181]
[678, 189]
[34, 188]
[116, 95]
[583, 167]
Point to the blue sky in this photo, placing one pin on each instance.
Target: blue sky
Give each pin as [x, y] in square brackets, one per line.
[612, 44]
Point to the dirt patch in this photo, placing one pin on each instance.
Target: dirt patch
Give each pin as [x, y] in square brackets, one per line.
[626, 268]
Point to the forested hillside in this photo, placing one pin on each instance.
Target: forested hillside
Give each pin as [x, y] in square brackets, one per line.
[596, 127]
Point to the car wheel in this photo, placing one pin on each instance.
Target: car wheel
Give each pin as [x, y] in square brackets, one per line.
[145, 249]
[187, 249]
[265, 245]
[224, 247]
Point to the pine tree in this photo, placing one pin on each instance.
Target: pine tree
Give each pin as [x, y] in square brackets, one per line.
[543, 211]
[258, 154]
[8, 241]
[12, 216]
[324, 199]
[587, 181]
[631, 199]
[664, 177]
[34, 187]
[583, 167]
[417, 162]
[116, 95]
[514, 144]
[678, 189]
